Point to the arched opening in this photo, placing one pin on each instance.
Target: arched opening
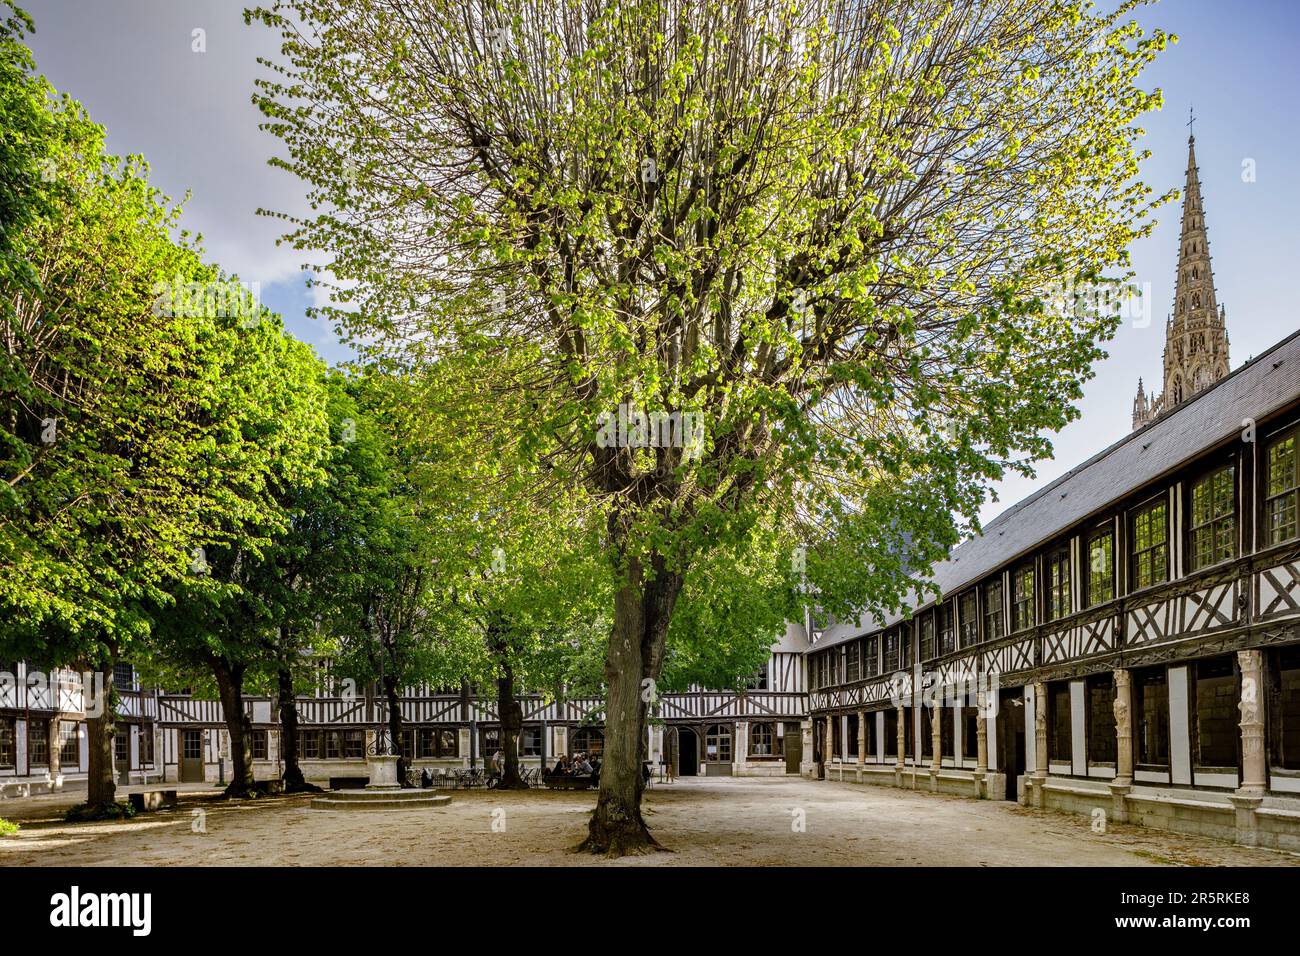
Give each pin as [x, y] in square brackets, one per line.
[688, 752]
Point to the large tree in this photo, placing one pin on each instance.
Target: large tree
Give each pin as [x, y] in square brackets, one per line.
[828, 228]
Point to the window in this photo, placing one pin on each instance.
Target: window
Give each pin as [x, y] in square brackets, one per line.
[851, 751]
[870, 657]
[1058, 722]
[192, 745]
[891, 732]
[1101, 567]
[1100, 699]
[146, 745]
[1281, 483]
[909, 733]
[1151, 707]
[993, 610]
[1215, 713]
[1058, 584]
[905, 646]
[946, 740]
[927, 732]
[38, 743]
[1214, 518]
[970, 721]
[891, 652]
[406, 743]
[1022, 598]
[491, 742]
[852, 662]
[448, 743]
[69, 744]
[1151, 544]
[1283, 698]
[761, 740]
[946, 633]
[8, 743]
[308, 745]
[968, 619]
[833, 666]
[530, 742]
[927, 637]
[717, 743]
[589, 740]
[124, 677]
[257, 742]
[354, 744]
[869, 732]
[122, 743]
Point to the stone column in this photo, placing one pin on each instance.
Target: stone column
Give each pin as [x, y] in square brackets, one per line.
[827, 751]
[936, 742]
[902, 744]
[1254, 767]
[862, 743]
[1039, 777]
[1123, 782]
[981, 743]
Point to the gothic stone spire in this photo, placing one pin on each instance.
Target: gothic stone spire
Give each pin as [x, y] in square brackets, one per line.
[1196, 338]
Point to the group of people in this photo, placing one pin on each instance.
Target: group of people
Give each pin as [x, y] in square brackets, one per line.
[577, 765]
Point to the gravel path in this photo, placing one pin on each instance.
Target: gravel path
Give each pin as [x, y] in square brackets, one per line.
[705, 821]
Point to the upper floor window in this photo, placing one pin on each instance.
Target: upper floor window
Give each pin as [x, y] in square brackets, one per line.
[851, 663]
[968, 619]
[993, 610]
[123, 677]
[1214, 518]
[870, 658]
[1281, 483]
[1151, 544]
[927, 637]
[891, 652]
[1101, 567]
[1022, 598]
[1058, 584]
[946, 635]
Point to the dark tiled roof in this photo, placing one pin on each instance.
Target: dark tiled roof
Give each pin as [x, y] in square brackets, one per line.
[1260, 387]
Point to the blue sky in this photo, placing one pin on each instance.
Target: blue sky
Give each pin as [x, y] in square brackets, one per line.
[132, 63]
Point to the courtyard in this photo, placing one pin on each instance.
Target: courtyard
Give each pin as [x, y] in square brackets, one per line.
[704, 821]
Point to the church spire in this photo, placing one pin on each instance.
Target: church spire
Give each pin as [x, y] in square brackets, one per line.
[1196, 338]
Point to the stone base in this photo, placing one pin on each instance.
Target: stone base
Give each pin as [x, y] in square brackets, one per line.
[383, 772]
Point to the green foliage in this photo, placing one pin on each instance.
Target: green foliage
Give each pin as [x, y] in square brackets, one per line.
[89, 813]
[844, 255]
[7, 828]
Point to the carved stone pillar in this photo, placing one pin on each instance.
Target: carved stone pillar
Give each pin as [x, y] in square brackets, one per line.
[1254, 766]
[1039, 777]
[981, 742]
[902, 738]
[1254, 771]
[862, 737]
[1123, 707]
[937, 715]
[828, 751]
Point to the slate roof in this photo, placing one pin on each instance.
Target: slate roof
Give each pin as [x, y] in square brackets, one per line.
[1261, 386]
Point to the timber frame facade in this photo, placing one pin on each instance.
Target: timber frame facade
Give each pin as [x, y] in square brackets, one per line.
[1125, 642]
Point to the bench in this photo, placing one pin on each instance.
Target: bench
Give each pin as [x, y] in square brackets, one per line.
[569, 782]
[349, 783]
[145, 800]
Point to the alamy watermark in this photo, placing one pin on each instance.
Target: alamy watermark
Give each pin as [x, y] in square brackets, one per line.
[224, 298]
[632, 427]
[41, 685]
[963, 690]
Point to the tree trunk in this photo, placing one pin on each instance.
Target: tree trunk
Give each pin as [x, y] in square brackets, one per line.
[101, 781]
[230, 684]
[294, 781]
[395, 723]
[642, 610]
[510, 714]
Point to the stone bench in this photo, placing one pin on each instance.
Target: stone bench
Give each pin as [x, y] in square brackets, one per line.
[146, 800]
[29, 787]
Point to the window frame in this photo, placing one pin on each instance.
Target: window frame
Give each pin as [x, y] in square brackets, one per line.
[1215, 521]
[1090, 597]
[1292, 491]
[1136, 513]
[994, 611]
[1058, 596]
[1022, 598]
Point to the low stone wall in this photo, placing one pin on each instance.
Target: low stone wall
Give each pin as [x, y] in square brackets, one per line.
[1269, 821]
[951, 780]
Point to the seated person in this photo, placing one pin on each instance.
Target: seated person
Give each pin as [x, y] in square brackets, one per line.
[559, 768]
[582, 766]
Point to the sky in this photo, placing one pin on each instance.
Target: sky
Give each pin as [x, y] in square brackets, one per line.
[135, 66]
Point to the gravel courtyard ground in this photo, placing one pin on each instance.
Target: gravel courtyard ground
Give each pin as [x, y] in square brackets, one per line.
[706, 822]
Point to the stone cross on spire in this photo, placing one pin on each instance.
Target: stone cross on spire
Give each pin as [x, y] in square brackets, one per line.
[1196, 336]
